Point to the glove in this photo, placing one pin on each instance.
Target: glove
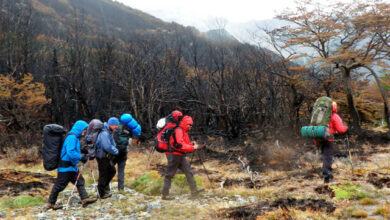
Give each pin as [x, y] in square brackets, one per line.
[84, 159]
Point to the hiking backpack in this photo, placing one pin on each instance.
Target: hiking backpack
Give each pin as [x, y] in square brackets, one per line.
[168, 126]
[93, 131]
[320, 118]
[322, 111]
[53, 139]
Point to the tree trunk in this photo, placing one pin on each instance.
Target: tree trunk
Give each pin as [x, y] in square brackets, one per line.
[384, 96]
[351, 105]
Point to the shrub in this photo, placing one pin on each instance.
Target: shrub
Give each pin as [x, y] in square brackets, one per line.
[151, 183]
[349, 191]
[20, 202]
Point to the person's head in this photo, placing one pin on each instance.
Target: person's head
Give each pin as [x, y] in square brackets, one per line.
[186, 123]
[113, 123]
[334, 106]
[79, 128]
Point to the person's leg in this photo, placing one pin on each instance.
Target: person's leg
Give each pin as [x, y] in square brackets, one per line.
[102, 176]
[79, 184]
[173, 163]
[327, 159]
[121, 173]
[111, 173]
[60, 184]
[186, 168]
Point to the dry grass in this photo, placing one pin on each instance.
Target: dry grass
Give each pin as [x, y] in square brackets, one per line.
[279, 214]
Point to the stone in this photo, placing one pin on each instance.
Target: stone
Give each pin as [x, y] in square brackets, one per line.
[153, 206]
[253, 199]
[144, 215]
[3, 214]
[121, 197]
[241, 200]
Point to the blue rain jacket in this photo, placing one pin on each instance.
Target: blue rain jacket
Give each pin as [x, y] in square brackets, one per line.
[71, 147]
[105, 142]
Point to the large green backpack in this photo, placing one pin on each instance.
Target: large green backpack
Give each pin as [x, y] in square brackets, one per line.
[320, 117]
[322, 111]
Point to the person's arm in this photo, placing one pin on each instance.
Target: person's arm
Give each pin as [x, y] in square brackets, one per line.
[186, 147]
[71, 149]
[107, 144]
[338, 124]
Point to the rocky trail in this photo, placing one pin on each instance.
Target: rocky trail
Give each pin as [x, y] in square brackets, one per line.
[361, 189]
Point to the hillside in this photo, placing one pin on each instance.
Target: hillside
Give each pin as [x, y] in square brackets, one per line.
[101, 17]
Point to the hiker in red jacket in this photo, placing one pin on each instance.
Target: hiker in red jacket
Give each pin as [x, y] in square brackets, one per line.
[335, 125]
[179, 144]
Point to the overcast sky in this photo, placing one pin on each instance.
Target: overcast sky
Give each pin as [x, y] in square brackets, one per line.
[202, 13]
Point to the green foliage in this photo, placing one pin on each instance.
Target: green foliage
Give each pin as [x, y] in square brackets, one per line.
[349, 191]
[151, 183]
[20, 202]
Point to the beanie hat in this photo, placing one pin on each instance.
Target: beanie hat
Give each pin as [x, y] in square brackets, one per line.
[113, 121]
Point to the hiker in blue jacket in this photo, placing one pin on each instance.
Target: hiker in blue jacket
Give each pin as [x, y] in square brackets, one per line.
[67, 168]
[128, 128]
[105, 148]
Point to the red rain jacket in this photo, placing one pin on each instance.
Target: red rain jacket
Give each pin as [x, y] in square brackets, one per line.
[182, 137]
[335, 124]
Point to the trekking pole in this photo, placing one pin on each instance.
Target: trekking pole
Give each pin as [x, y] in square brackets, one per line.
[349, 151]
[204, 167]
[75, 185]
[93, 177]
[149, 158]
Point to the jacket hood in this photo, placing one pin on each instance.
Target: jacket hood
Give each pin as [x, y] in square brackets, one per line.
[334, 107]
[185, 122]
[79, 127]
[105, 127]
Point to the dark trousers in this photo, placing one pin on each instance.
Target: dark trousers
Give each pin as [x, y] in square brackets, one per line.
[327, 158]
[121, 161]
[106, 173]
[63, 178]
[177, 162]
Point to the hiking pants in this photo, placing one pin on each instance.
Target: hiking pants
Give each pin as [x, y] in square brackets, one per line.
[106, 173]
[121, 161]
[63, 178]
[327, 157]
[177, 162]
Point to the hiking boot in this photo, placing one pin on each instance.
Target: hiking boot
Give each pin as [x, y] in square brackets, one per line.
[167, 197]
[328, 179]
[52, 206]
[105, 196]
[196, 192]
[87, 201]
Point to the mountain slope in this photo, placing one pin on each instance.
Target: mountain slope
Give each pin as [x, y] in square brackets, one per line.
[102, 17]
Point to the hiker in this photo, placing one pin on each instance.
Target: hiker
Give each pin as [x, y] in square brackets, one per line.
[179, 144]
[105, 149]
[326, 146]
[67, 168]
[128, 128]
